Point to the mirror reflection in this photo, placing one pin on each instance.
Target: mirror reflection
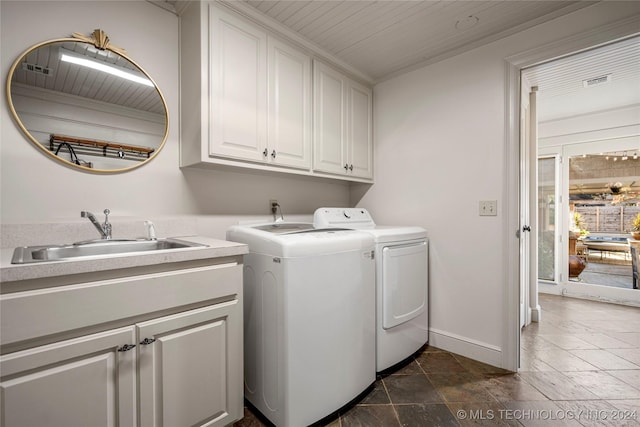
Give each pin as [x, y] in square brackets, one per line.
[89, 107]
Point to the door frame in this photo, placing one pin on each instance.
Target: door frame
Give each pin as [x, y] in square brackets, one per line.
[511, 188]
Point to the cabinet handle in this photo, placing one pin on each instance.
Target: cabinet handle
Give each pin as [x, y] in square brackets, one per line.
[273, 154]
[147, 341]
[126, 347]
[351, 167]
[346, 166]
[265, 152]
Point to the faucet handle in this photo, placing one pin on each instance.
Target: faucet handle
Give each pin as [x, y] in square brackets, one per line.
[151, 230]
[107, 225]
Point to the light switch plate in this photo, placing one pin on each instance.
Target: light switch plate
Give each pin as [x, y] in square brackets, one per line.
[488, 207]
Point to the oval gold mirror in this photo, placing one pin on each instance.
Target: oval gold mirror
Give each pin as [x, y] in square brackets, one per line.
[83, 102]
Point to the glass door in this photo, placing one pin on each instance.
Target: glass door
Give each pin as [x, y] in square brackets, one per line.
[548, 232]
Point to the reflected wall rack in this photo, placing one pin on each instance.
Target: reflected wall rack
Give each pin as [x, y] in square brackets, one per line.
[83, 146]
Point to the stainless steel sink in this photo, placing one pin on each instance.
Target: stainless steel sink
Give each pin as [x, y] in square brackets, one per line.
[97, 248]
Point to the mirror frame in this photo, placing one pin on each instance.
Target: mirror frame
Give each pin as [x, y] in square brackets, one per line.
[100, 40]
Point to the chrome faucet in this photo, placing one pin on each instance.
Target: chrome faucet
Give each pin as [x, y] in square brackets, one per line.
[105, 228]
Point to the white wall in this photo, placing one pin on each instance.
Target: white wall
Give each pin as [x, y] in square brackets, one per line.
[440, 149]
[34, 188]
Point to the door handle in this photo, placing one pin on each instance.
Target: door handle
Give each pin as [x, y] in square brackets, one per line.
[126, 347]
[526, 228]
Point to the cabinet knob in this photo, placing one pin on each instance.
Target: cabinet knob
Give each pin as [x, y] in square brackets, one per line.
[351, 167]
[126, 347]
[147, 341]
[265, 152]
[273, 154]
[346, 167]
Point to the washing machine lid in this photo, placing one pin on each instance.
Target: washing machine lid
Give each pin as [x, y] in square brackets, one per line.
[290, 240]
[285, 227]
[360, 219]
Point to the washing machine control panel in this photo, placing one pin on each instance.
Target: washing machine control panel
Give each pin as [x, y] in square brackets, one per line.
[342, 217]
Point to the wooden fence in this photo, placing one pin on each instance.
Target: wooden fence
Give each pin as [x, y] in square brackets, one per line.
[608, 219]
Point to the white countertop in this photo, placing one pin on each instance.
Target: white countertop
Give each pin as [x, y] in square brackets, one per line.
[214, 248]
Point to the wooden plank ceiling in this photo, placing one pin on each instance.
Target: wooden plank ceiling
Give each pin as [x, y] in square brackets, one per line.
[385, 38]
[614, 68]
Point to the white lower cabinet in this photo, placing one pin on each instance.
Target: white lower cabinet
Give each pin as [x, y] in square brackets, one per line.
[190, 367]
[180, 367]
[86, 381]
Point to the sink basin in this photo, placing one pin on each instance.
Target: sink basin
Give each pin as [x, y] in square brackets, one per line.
[98, 248]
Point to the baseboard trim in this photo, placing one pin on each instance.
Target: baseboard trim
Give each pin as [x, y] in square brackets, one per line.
[536, 313]
[476, 350]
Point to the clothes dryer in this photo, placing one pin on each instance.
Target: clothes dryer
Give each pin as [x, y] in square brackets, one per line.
[309, 319]
[402, 316]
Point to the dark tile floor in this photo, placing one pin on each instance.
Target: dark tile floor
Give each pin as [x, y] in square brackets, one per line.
[580, 366]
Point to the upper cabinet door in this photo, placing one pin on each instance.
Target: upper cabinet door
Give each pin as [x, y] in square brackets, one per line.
[329, 133]
[360, 147]
[238, 98]
[289, 106]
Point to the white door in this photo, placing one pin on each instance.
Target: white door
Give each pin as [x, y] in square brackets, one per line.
[289, 106]
[360, 143]
[87, 381]
[191, 367]
[238, 98]
[525, 219]
[329, 127]
[528, 204]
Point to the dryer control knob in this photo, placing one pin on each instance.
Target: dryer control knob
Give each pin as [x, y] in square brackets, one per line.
[346, 214]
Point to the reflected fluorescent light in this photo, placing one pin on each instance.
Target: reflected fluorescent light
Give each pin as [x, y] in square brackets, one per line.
[106, 69]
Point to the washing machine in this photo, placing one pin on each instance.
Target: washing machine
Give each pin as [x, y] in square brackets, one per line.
[402, 296]
[309, 319]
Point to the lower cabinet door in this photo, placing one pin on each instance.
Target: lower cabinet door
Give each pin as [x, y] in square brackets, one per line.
[87, 381]
[191, 367]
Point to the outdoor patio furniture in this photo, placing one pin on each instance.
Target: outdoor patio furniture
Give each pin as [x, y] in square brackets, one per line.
[605, 244]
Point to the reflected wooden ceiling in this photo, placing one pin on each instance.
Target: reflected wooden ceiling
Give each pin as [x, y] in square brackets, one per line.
[43, 69]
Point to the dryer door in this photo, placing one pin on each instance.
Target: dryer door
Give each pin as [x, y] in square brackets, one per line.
[404, 283]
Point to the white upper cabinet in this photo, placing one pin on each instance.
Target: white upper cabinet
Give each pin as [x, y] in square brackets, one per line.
[329, 114]
[359, 128]
[342, 124]
[289, 117]
[238, 93]
[247, 101]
